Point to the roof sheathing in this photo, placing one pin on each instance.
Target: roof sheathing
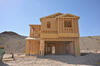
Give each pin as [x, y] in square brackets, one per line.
[67, 15]
[53, 15]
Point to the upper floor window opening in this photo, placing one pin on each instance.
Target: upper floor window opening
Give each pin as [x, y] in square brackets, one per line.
[48, 25]
[67, 23]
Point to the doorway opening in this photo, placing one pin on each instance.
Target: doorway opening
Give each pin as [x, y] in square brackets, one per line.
[59, 47]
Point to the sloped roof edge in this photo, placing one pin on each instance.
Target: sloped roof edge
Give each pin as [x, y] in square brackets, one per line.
[57, 15]
[53, 15]
[68, 15]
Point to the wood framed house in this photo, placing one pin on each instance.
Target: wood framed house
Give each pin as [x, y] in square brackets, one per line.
[57, 34]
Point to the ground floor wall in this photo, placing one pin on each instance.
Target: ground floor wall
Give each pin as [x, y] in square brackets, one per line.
[53, 46]
[33, 47]
[74, 48]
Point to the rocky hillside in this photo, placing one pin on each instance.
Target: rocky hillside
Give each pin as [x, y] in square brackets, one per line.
[14, 42]
[90, 43]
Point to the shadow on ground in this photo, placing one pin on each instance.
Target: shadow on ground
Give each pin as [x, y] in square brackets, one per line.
[85, 59]
[3, 64]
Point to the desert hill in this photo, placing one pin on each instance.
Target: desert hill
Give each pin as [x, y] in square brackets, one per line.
[14, 42]
[90, 43]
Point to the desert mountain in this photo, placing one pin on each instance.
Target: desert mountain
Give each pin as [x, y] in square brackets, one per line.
[90, 43]
[12, 42]
[15, 43]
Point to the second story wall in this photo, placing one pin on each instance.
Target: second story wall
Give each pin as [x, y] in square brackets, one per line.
[67, 25]
[62, 26]
[49, 25]
[35, 31]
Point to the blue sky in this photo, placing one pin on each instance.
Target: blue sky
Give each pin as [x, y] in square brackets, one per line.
[16, 15]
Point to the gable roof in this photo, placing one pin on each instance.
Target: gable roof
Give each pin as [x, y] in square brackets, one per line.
[58, 15]
[53, 15]
[68, 15]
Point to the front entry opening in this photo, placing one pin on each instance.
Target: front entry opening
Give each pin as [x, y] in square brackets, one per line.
[59, 47]
[53, 49]
[50, 49]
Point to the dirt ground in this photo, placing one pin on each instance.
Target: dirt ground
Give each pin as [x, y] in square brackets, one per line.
[90, 59]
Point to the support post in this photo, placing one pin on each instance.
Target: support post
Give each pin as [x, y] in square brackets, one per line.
[42, 47]
[77, 47]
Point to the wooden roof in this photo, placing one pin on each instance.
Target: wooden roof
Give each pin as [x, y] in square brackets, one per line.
[68, 15]
[53, 15]
[58, 15]
[34, 25]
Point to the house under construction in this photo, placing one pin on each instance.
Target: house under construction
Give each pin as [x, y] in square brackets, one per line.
[57, 34]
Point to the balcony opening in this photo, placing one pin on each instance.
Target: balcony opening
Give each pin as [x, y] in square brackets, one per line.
[67, 23]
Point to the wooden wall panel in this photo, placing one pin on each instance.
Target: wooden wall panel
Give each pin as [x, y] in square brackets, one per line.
[35, 31]
[28, 47]
[42, 47]
[33, 47]
[44, 35]
[77, 47]
[53, 24]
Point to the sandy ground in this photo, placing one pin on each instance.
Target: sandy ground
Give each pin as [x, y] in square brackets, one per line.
[90, 59]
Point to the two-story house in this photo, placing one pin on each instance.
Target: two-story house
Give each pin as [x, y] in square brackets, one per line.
[57, 34]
